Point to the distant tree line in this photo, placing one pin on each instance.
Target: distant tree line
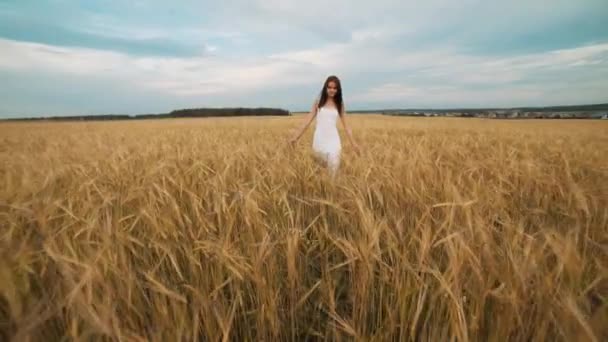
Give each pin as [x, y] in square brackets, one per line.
[239, 111]
[471, 111]
[581, 108]
[204, 112]
[181, 113]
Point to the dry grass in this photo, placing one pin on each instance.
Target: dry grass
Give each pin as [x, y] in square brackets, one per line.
[210, 229]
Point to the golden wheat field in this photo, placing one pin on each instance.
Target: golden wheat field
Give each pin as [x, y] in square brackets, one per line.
[214, 229]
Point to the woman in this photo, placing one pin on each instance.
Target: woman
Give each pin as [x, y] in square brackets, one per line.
[327, 109]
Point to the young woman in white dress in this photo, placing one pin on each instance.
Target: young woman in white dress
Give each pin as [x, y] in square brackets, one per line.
[326, 140]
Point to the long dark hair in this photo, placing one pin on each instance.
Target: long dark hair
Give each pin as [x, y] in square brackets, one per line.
[337, 97]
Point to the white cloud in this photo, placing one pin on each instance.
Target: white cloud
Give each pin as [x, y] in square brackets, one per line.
[338, 18]
[392, 91]
[428, 72]
[367, 56]
[48, 58]
[107, 27]
[413, 95]
[450, 78]
[175, 76]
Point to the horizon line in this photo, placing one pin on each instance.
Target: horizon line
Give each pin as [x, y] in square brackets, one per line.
[305, 111]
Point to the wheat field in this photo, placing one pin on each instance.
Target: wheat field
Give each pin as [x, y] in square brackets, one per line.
[215, 230]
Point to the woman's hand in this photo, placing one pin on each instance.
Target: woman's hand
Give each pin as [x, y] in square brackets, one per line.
[357, 149]
[313, 113]
[292, 141]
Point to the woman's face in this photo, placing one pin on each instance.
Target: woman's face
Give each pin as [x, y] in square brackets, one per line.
[332, 89]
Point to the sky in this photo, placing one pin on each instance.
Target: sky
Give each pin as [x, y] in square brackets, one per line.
[60, 57]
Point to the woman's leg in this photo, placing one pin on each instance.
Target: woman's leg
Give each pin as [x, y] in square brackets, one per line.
[333, 163]
[329, 160]
[320, 158]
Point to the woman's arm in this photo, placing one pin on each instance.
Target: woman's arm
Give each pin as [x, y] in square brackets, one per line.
[311, 115]
[349, 133]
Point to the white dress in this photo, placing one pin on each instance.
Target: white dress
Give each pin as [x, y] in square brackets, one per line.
[326, 141]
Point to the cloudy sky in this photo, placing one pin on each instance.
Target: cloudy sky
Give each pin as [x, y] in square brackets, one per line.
[60, 57]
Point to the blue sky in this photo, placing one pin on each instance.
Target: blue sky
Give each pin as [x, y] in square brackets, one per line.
[62, 57]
